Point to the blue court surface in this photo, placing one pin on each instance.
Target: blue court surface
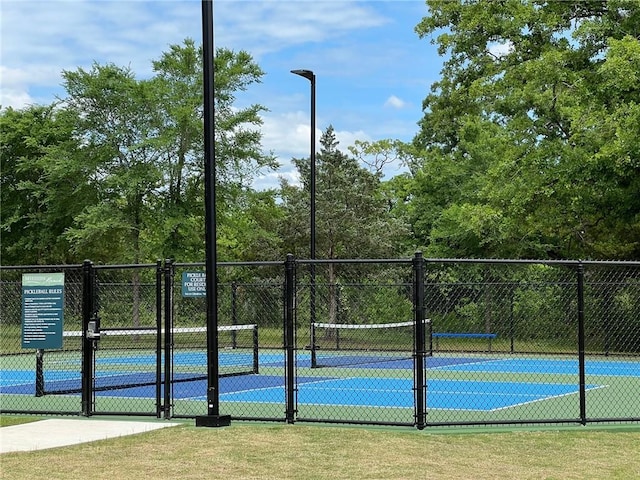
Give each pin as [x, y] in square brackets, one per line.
[547, 366]
[491, 365]
[398, 393]
[357, 385]
[353, 392]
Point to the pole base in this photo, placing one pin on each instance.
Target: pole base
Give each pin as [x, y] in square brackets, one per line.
[213, 421]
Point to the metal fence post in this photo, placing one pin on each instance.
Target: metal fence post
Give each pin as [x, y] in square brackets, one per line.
[88, 303]
[159, 271]
[168, 334]
[289, 338]
[581, 344]
[39, 372]
[420, 344]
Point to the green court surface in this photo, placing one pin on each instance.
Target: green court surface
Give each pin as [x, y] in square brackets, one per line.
[353, 386]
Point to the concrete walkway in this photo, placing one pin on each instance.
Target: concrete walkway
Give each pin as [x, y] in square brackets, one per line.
[54, 432]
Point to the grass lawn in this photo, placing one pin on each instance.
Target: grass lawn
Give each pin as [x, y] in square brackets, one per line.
[259, 451]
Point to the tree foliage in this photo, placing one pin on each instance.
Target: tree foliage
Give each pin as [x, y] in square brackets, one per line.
[352, 216]
[532, 130]
[114, 172]
[42, 184]
[529, 147]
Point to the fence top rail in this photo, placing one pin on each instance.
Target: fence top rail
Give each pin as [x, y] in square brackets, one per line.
[41, 267]
[266, 263]
[402, 261]
[127, 266]
[573, 263]
[304, 261]
[488, 261]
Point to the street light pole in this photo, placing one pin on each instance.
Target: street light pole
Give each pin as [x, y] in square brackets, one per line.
[309, 75]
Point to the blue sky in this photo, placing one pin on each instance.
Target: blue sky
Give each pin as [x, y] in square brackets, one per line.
[372, 69]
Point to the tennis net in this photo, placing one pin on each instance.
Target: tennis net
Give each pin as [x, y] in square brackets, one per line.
[129, 357]
[335, 344]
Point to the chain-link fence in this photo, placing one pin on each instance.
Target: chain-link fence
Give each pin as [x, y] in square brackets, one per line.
[417, 342]
[28, 373]
[127, 358]
[533, 342]
[250, 338]
[355, 342]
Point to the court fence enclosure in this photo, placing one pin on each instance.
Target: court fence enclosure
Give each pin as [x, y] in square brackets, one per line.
[410, 342]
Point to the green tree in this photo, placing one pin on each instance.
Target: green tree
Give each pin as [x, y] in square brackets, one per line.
[178, 83]
[249, 230]
[532, 130]
[117, 120]
[352, 216]
[115, 172]
[42, 186]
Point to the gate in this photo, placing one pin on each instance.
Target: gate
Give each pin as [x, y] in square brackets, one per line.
[122, 358]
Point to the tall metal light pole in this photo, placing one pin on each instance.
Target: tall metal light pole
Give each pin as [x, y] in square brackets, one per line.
[309, 75]
[213, 417]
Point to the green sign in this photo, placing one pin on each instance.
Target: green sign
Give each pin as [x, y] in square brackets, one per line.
[42, 310]
[194, 284]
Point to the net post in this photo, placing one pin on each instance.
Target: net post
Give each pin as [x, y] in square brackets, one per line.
[234, 312]
[39, 372]
[256, 346]
[312, 346]
[420, 344]
[289, 337]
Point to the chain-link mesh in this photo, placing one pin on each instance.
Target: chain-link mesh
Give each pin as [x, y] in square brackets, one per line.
[494, 328]
[506, 342]
[127, 368]
[514, 308]
[25, 378]
[506, 346]
[355, 338]
[250, 339]
[612, 340]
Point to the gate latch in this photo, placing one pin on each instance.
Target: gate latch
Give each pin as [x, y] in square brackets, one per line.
[93, 330]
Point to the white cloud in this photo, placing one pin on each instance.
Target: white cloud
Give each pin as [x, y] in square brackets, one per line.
[15, 99]
[353, 46]
[499, 50]
[394, 102]
[287, 134]
[59, 35]
[272, 180]
[16, 84]
[348, 138]
[266, 26]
